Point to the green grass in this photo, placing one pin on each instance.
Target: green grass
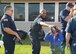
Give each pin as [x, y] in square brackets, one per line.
[27, 49]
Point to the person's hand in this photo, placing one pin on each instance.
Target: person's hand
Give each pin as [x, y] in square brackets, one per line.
[18, 38]
[71, 12]
[67, 45]
[51, 26]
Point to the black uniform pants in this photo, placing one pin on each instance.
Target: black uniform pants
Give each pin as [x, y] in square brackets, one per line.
[9, 46]
[34, 37]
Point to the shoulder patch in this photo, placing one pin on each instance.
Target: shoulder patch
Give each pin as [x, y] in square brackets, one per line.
[5, 19]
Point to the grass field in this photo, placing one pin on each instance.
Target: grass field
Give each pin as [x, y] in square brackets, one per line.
[27, 49]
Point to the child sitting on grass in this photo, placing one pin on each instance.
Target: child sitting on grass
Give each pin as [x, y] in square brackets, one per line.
[55, 38]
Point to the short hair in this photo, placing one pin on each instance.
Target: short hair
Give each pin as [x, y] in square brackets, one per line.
[70, 4]
[55, 28]
[7, 7]
[42, 10]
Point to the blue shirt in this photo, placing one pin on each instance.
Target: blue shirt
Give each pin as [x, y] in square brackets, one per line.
[71, 27]
[8, 22]
[58, 39]
[63, 14]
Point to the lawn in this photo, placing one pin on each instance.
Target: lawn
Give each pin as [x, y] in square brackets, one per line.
[26, 48]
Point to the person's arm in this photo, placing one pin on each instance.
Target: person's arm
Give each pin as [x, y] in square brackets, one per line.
[9, 31]
[45, 25]
[6, 27]
[69, 16]
[66, 16]
[68, 32]
[67, 39]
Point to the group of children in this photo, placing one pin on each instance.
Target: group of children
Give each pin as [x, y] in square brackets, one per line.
[55, 38]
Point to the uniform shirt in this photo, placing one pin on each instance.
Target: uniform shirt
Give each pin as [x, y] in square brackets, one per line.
[63, 14]
[7, 21]
[58, 39]
[36, 27]
[71, 27]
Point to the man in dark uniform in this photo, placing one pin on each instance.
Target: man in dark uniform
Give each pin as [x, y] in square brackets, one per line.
[65, 15]
[35, 31]
[8, 30]
[71, 32]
